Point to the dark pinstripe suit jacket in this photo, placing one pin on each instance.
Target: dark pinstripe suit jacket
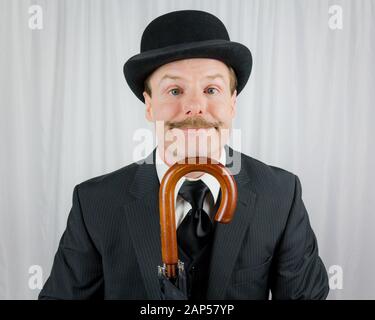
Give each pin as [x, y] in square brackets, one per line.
[111, 246]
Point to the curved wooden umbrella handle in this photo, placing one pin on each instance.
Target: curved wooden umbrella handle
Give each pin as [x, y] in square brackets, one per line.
[167, 206]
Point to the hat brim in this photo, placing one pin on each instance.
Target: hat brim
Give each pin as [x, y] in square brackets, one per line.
[140, 66]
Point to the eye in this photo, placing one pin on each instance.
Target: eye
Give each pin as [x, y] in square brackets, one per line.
[211, 90]
[174, 91]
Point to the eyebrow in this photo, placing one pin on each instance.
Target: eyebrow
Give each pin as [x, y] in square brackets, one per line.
[211, 77]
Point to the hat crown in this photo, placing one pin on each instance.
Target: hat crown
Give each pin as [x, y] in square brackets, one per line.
[179, 27]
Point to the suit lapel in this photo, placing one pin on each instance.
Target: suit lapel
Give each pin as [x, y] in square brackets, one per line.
[142, 216]
[228, 237]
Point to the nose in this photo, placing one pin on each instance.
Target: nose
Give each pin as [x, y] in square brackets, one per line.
[194, 104]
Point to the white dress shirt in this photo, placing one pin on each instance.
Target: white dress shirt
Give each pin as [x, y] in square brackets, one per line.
[182, 207]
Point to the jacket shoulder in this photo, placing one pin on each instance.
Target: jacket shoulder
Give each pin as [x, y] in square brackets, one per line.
[122, 173]
[268, 179]
[112, 185]
[269, 171]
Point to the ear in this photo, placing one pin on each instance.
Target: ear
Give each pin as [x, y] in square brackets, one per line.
[148, 111]
[233, 106]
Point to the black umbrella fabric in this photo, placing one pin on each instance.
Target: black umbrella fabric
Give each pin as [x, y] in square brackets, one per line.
[173, 289]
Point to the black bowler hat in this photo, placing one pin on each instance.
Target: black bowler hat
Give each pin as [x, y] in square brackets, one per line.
[181, 35]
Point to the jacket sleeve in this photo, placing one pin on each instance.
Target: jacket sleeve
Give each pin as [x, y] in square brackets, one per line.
[77, 268]
[298, 271]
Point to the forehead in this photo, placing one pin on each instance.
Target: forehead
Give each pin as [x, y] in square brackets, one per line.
[189, 69]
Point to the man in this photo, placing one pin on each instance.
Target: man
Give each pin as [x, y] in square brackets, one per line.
[188, 74]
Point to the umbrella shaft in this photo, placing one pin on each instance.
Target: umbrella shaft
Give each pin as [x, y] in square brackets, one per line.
[171, 270]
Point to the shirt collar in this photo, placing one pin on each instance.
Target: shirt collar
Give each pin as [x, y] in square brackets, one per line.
[209, 180]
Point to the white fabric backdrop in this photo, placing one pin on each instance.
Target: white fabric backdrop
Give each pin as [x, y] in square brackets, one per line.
[67, 115]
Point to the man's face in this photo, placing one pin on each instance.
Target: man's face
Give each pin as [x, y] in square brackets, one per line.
[192, 107]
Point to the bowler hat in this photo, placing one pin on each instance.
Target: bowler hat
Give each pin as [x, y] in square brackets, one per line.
[181, 35]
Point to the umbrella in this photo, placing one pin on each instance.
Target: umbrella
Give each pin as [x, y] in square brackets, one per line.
[172, 275]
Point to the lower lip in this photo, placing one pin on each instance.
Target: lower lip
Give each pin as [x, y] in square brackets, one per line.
[194, 129]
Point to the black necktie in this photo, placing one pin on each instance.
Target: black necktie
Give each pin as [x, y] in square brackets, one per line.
[194, 231]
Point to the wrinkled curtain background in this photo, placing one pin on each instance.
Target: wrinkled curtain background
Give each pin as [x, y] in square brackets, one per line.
[67, 115]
